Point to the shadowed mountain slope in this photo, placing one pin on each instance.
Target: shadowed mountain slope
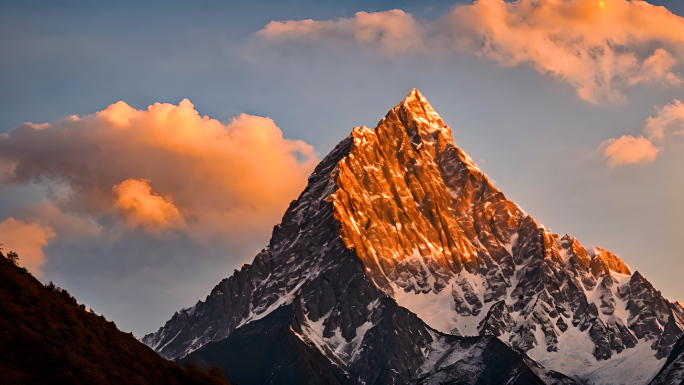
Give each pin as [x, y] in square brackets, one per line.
[672, 372]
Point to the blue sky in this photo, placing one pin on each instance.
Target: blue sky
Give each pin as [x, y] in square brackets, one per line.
[527, 129]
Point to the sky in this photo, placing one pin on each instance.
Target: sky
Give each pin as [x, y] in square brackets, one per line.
[147, 149]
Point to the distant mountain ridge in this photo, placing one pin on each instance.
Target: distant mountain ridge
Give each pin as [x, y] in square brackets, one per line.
[398, 217]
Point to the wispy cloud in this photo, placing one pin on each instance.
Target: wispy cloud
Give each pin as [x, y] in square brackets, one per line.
[391, 32]
[598, 47]
[629, 149]
[669, 122]
[644, 149]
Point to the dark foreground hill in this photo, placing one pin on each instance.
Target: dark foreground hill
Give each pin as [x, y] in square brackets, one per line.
[46, 337]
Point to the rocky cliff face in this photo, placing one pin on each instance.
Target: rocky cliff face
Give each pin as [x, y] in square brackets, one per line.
[672, 372]
[400, 215]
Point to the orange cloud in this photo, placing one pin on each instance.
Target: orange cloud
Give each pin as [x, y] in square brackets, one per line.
[628, 149]
[27, 240]
[670, 121]
[228, 180]
[142, 207]
[598, 47]
[393, 31]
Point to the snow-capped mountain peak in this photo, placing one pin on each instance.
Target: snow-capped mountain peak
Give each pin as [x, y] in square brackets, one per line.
[399, 215]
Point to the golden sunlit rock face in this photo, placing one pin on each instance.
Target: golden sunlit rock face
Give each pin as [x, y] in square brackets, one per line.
[604, 261]
[405, 201]
[418, 211]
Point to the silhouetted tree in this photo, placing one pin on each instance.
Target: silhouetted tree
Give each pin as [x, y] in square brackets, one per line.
[13, 257]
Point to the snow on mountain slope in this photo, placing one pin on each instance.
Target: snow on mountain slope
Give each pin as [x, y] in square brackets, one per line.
[400, 213]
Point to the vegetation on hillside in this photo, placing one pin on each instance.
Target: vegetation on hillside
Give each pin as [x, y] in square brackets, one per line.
[46, 337]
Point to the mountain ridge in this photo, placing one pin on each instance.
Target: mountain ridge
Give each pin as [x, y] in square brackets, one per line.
[400, 212]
